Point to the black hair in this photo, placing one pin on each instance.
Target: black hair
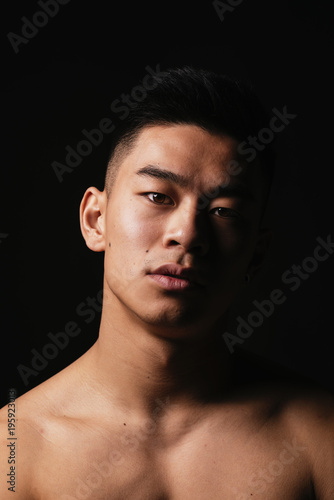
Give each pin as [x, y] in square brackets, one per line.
[187, 95]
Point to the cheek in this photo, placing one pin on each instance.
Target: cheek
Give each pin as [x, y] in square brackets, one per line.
[129, 228]
[129, 236]
[235, 243]
[233, 254]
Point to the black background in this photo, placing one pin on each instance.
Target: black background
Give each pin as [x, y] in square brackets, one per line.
[64, 80]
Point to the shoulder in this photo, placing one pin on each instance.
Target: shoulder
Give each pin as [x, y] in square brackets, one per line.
[17, 442]
[24, 426]
[303, 411]
[310, 416]
[307, 418]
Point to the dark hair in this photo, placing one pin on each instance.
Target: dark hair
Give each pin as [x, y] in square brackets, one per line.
[187, 95]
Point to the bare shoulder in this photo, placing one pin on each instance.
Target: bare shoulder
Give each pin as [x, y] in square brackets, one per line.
[19, 440]
[310, 415]
[299, 410]
[22, 428]
[304, 412]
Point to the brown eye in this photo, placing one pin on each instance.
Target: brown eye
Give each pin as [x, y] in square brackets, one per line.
[226, 212]
[159, 199]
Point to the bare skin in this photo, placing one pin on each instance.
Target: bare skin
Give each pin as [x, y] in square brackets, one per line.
[152, 411]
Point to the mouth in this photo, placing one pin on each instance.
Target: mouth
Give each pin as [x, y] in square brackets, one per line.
[176, 278]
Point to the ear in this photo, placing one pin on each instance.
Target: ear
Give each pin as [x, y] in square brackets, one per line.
[260, 252]
[92, 218]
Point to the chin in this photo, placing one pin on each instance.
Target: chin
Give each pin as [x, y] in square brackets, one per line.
[178, 324]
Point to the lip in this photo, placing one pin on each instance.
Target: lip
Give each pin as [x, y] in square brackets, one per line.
[175, 277]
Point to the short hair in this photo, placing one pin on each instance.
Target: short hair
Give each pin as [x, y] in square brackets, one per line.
[187, 95]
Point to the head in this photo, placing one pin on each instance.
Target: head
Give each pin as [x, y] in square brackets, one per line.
[216, 103]
[179, 192]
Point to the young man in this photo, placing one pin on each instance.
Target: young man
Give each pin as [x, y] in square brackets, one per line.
[157, 408]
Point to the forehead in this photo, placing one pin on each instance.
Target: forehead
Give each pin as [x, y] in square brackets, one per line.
[204, 158]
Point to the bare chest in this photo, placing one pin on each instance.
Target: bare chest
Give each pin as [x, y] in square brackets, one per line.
[201, 465]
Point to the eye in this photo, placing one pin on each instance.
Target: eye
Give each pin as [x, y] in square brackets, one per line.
[226, 213]
[159, 198]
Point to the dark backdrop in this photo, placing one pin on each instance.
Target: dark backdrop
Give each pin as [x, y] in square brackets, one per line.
[64, 79]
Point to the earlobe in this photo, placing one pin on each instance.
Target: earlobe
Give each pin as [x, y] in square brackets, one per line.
[260, 252]
[92, 216]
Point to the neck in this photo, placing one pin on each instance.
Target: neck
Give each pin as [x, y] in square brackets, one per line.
[137, 368]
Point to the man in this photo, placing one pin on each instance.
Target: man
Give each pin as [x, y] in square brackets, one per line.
[157, 408]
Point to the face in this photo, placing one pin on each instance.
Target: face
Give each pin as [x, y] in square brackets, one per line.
[181, 229]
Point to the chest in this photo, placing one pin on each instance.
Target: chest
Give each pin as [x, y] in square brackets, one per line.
[202, 465]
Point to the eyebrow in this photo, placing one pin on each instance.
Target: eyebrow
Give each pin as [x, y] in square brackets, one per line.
[167, 175]
[222, 191]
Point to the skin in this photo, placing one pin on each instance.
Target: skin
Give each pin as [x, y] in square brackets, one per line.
[151, 410]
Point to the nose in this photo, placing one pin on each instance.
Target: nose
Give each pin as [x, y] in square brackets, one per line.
[188, 228]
